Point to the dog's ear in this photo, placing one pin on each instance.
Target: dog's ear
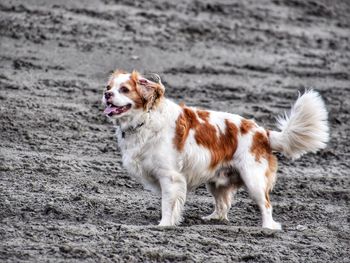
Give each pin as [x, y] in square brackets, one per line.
[153, 77]
[150, 87]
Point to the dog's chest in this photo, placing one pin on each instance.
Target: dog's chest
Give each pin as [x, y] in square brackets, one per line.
[137, 154]
[133, 152]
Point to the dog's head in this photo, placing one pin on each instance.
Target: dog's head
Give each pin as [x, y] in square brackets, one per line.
[129, 93]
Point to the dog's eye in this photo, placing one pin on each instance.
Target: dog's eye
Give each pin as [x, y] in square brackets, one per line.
[123, 89]
[108, 87]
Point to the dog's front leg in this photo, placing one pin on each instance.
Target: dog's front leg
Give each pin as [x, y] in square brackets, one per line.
[174, 187]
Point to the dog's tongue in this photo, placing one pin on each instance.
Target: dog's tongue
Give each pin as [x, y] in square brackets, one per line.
[110, 109]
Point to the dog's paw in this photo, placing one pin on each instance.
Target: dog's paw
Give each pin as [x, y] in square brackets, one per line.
[210, 217]
[274, 226]
[164, 223]
[215, 216]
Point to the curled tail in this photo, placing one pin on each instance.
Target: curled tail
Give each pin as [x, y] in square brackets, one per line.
[304, 129]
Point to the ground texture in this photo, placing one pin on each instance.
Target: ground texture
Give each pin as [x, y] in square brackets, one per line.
[63, 193]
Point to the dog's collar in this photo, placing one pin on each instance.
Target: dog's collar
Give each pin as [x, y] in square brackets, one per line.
[131, 129]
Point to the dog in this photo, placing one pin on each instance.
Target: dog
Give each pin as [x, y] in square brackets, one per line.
[174, 148]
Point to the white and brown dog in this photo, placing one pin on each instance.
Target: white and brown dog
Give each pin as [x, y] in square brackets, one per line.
[174, 148]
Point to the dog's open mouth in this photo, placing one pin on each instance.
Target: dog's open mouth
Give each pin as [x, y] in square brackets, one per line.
[116, 110]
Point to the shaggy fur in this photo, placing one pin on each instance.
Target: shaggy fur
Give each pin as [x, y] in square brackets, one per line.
[174, 148]
[304, 129]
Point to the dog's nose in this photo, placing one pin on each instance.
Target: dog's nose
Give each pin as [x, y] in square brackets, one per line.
[108, 95]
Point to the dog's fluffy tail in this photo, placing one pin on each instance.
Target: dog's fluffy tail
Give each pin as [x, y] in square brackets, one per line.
[304, 129]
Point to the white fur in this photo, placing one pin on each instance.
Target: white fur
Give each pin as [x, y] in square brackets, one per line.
[150, 154]
[304, 129]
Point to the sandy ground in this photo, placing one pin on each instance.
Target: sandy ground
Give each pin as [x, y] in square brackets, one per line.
[63, 193]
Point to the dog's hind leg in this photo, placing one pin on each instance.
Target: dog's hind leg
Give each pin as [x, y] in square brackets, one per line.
[174, 188]
[258, 184]
[223, 188]
[223, 200]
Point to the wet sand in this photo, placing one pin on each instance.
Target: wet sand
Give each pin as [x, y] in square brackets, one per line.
[64, 196]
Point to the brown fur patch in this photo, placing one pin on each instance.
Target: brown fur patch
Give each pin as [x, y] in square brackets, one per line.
[273, 164]
[267, 199]
[221, 147]
[135, 93]
[246, 126]
[260, 147]
[270, 176]
[152, 93]
[186, 121]
[204, 115]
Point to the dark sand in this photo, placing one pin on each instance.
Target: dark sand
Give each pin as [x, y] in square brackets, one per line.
[63, 193]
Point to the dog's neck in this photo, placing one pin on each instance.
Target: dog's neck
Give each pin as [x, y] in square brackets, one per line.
[131, 130]
[154, 120]
[131, 124]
